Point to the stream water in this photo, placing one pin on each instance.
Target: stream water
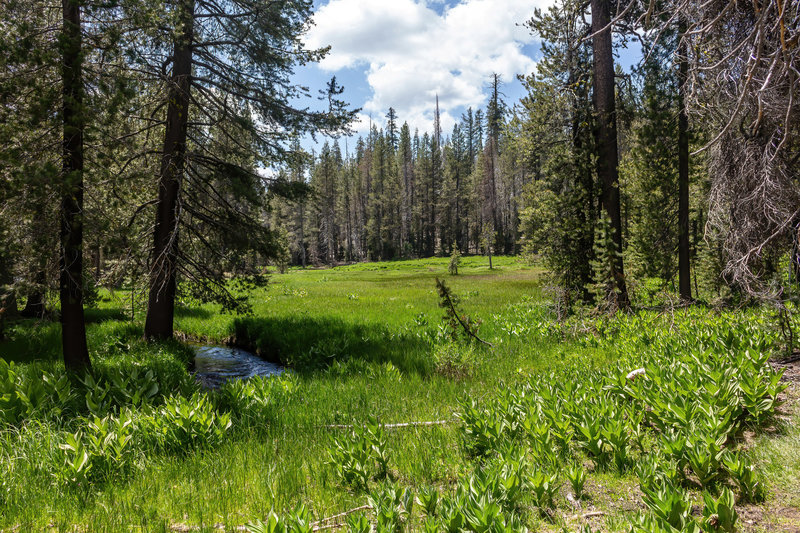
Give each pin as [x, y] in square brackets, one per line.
[214, 365]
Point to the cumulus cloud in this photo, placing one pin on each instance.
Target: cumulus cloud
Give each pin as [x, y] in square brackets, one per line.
[411, 52]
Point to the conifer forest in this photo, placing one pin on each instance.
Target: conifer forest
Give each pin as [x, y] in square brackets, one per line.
[481, 266]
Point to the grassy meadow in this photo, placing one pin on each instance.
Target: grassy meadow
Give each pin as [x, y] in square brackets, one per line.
[140, 447]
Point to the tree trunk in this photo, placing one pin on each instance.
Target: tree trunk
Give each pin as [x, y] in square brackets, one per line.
[796, 256]
[73, 326]
[606, 135]
[8, 309]
[35, 307]
[684, 279]
[163, 268]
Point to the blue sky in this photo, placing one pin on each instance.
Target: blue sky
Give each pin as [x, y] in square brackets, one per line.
[402, 53]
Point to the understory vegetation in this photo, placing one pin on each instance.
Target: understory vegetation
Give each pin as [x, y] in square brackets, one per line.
[656, 421]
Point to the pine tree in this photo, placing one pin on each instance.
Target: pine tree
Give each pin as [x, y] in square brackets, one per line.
[651, 172]
[208, 78]
[604, 97]
[560, 203]
[73, 325]
[405, 156]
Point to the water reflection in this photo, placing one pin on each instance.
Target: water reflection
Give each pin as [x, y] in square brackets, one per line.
[214, 365]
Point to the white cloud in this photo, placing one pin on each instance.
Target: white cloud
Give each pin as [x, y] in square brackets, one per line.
[411, 53]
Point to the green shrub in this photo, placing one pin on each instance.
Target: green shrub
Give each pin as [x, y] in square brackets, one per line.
[32, 392]
[454, 360]
[100, 453]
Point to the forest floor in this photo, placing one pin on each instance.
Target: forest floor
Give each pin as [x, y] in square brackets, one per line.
[366, 344]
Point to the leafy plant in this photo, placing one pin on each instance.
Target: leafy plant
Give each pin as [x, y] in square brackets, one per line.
[428, 499]
[78, 463]
[720, 514]
[183, 424]
[576, 475]
[298, 521]
[359, 454]
[255, 401]
[652, 524]
[392, 507]
[544, 488]
[33, 394]
[667, 502]
[99, 399]
[615, 433]
[482, 430]
[358, 523]
[109, 442]
[743, 473]
[133, 387]
[704, 457]
[589, 434]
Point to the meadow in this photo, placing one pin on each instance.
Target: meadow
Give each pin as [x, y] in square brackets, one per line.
[549, 429]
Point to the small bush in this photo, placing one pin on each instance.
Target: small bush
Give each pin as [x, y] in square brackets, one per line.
[454, 360]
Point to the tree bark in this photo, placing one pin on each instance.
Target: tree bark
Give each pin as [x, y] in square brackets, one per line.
[35, 307]
[73, 325]
[163, 266]
[606, 136]
[684, 279]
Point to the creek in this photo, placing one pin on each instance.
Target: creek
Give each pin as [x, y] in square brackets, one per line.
[214, 365]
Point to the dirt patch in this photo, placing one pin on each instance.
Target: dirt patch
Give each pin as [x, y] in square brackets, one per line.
[767, 518]
[790, 367]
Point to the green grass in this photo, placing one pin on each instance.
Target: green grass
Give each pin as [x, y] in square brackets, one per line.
[361, 339]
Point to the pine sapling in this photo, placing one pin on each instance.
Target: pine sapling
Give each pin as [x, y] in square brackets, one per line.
[455, 260]
[459, 323]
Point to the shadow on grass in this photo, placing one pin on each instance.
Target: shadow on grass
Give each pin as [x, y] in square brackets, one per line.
[94, 316]
[193, 312]
[32, 340]
[311, 344]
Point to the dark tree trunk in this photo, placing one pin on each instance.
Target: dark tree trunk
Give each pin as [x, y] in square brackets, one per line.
[73, 326]
[796, 255]
[684, 279]
[302, 234]
[163, 267]
[606, 135]
[35, 307]
[8, 309]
